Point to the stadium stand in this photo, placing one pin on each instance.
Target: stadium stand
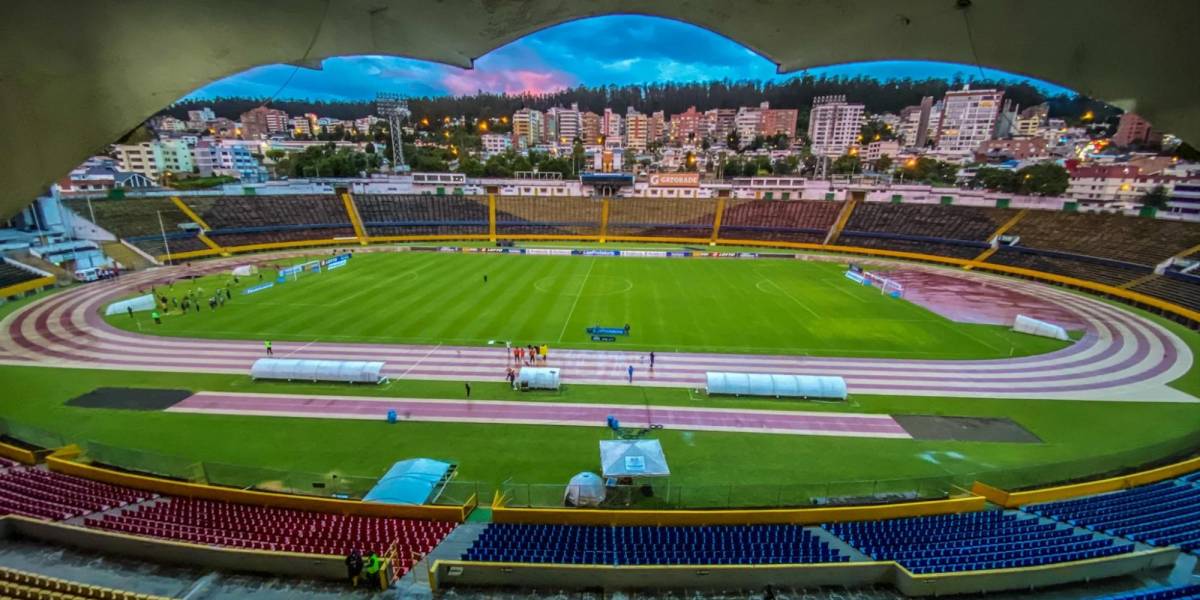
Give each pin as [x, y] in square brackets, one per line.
[1161, 514]
[384, 215]
[661, 217]
[275, 529]
[1182, 289]
[19, 584]
[245, 220]
[713, 545]
[1081, 267]
[803, 221]
[137, 221]
[42, 494]
[1180, 592]
[543, 216]
[928, 220]
[11, 274]
[1127, 239]
[973, 541]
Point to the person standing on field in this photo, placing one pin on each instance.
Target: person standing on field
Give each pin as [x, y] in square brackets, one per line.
[468, 385]
[268, 345]
[630, 371]
[651, 359]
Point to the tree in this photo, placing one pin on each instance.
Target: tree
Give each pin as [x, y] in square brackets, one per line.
[369, 148]
[1155, 198]
[999, 180]
[470, 166]
[1043, 179]
[883, 164]
[786, 166]
[846, 164]
[928, 170]
[733, 140]
[875, 131]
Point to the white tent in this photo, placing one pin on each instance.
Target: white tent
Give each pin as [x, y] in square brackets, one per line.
[585, 489]
[349, 371]
[778, 386]
[537, 378]
[245, 270]
[140, 303]
[1024, 324]
[633, 458]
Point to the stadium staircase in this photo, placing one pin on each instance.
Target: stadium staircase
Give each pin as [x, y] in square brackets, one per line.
[126, 256]
[843, 217]
[63, 276]
[1139, 281]
[352, 211]
[204, 228]
[994, 239]
[415, 583]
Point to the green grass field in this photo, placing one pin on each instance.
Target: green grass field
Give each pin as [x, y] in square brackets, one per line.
[685, 304]
[1079, 438]
[763, 306]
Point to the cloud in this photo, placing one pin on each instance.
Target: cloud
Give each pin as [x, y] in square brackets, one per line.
[618, 50]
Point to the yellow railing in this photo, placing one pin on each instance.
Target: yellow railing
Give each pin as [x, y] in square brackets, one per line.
[491, 217]
[576, 516]
[17, 453]
[1087, 488]
[852, 201]
[27, 286]
[719, 215]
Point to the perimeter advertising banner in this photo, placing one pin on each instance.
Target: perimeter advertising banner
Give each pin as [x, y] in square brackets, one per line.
[689, 180]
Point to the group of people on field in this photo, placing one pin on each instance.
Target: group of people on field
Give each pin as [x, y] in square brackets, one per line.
[528, 355]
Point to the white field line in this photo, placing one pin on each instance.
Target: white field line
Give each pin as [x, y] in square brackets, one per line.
[794, 299]
[419, 361]
[574, 304]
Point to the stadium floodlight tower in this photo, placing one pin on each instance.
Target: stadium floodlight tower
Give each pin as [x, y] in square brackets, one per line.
[394, 108]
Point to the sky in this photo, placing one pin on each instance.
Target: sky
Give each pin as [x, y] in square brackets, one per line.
[619, 49]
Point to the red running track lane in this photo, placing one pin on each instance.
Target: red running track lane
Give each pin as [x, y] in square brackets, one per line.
[543, 413]
[1122, 356]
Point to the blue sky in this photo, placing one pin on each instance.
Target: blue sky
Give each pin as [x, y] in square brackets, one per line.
[622, 49]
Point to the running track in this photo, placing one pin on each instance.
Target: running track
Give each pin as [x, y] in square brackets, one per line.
[544, 413]
[1121, 357]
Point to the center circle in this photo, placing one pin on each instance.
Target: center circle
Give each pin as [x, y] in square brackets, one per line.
[575, 285]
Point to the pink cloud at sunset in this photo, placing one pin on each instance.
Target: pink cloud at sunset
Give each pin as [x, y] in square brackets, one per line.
[509, 81]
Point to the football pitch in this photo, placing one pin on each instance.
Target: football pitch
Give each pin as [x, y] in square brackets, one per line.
[687, 305]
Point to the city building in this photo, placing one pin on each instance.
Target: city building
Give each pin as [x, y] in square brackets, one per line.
[153, 159]
[1005, 120]
[590, 126]
[301, 126]
[216, 158]
[834, 125]
[656, 128]
[877, 150]
[918, 124]
[1103, 184]
[747, 123]
[993, 151]
[167, 123]
[1134, 130]
[98, 176]
[563, 125]
[196, 119]
[719, 123]
[495, 143]
[637, 129]
[775, 121]
[261, 122]
[527, 128]
[1030, 120]
[686, 126]
[968, 119]
[612, 127]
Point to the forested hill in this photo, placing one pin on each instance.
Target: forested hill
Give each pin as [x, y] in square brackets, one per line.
[797, 92]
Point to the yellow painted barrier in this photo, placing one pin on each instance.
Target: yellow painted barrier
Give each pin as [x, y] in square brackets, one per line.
[17, 453]
[718, 216]
[27, 286]
[355, 220]
[491, 217]
[1087, 488]
[852, 201]
[61, 462]
[191, 214]
[502, 514]
[604, 205]
[209, 242]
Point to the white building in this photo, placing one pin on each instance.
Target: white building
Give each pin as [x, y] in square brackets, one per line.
[637, 129]
[834, 125]
[495, 143]
[968, 119]
[528, 128]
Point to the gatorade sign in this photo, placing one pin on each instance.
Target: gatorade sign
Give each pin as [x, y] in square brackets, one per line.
[675, 180]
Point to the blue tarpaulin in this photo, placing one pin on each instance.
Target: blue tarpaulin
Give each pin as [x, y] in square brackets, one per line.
[412, 481]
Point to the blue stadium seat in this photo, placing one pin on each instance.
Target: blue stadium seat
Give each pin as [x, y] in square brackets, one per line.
[1160, 514]
[708, 545]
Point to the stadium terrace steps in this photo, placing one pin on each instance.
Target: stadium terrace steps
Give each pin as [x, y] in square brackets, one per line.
[128, 259]
[1184, 292]
[974, 541]
[1179, 592]
[1080, 267]
[11, 274]
[42, 494]
[395, 214]
[1135, 240]
[803, 221]
[16, 583]
[1166, 513]
[541, 216]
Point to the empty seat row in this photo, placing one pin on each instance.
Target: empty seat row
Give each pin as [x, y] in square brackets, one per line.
[15, 583]
[576, 544]
[385, 215]
[928, 220]
[43, 494]
[1166, 513]
[973, 541]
